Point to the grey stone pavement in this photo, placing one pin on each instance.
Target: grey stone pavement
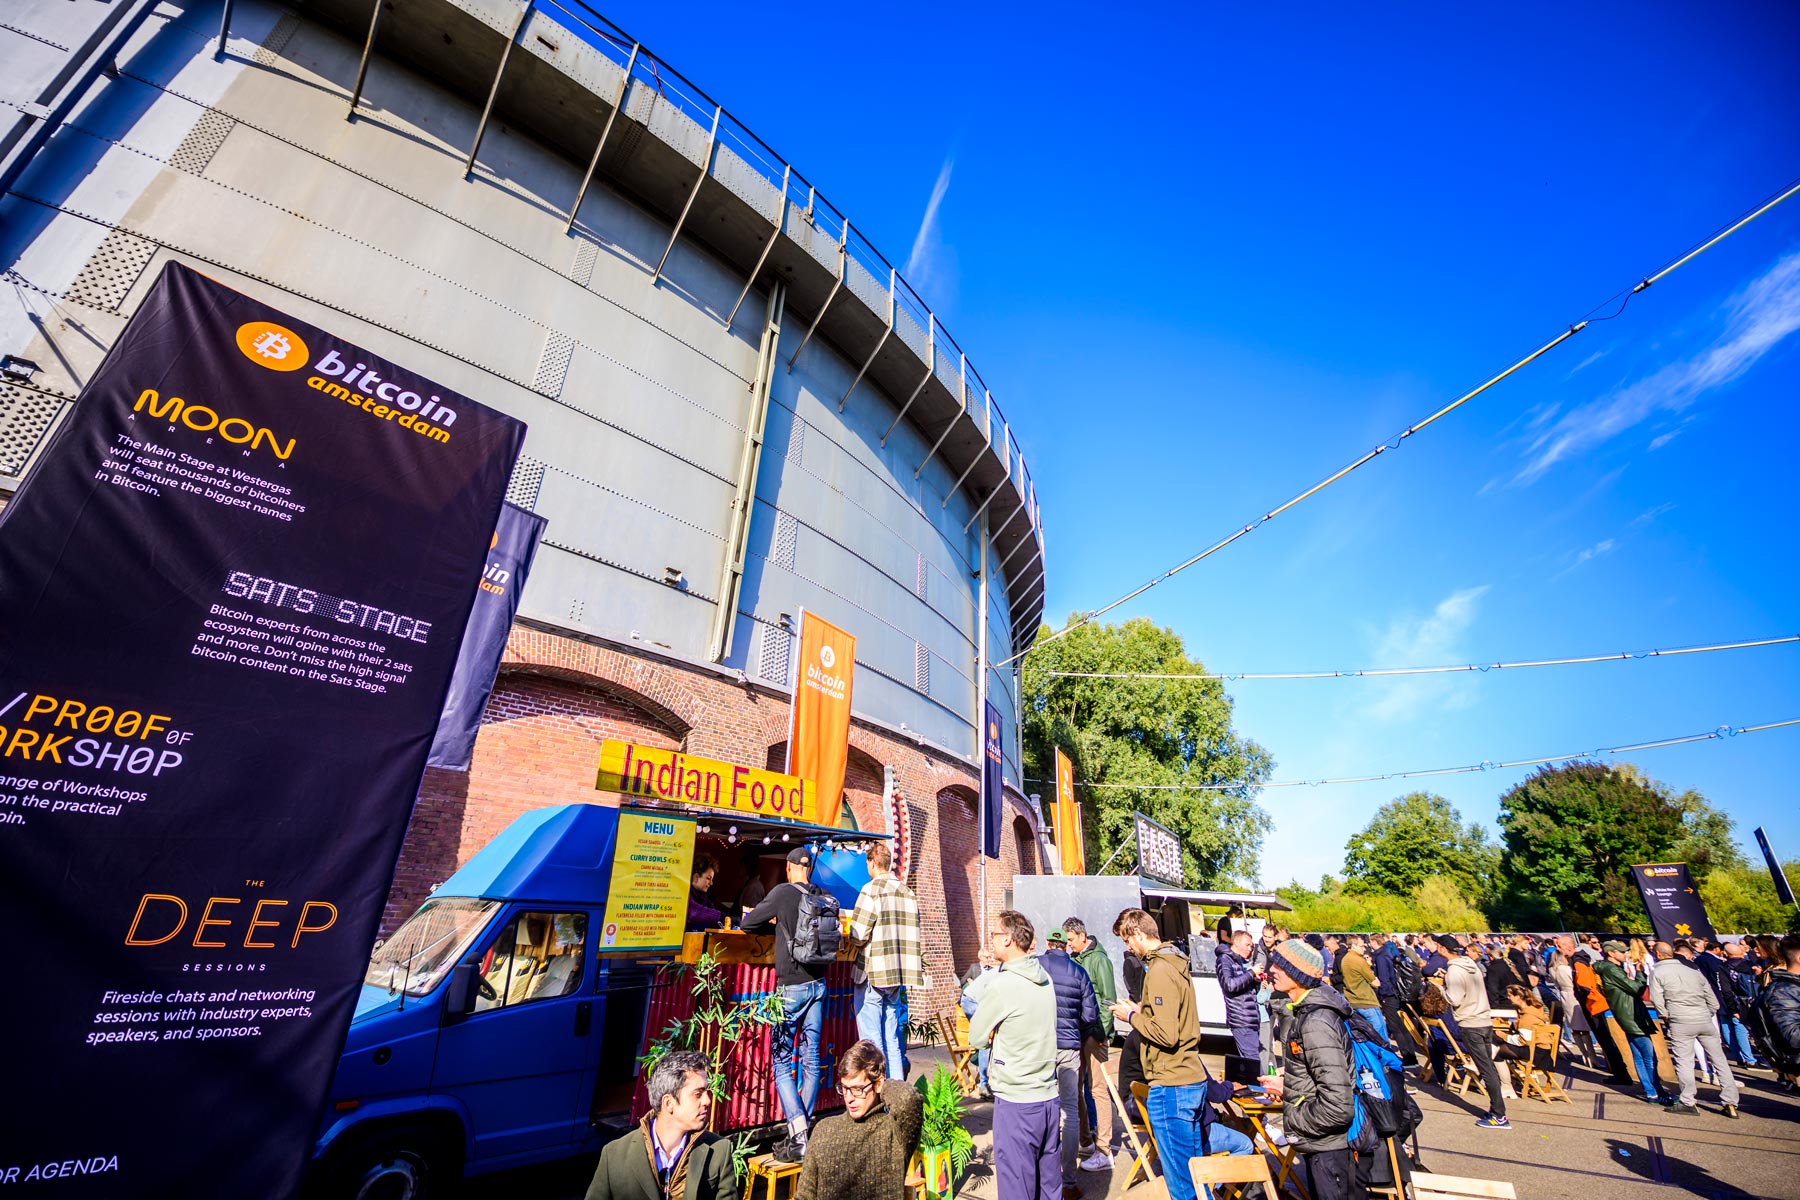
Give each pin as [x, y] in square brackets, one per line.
[1604, 1145]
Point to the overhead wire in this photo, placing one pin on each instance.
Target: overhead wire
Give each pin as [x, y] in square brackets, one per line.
[1382, 672]
[1394, 443]
[1723, 731]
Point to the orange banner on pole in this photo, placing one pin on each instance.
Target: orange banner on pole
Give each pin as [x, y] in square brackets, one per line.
[1068, 819]
[819, 737]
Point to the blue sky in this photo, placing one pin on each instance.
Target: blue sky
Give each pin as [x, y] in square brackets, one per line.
[1205, 255]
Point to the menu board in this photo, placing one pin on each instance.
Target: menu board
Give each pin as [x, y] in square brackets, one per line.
[1159, 852]
[647, 900]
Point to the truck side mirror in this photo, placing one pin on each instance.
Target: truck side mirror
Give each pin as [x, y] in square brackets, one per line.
[459, 996]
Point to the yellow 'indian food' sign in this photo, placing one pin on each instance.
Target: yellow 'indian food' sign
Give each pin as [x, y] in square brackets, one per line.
[633, 770]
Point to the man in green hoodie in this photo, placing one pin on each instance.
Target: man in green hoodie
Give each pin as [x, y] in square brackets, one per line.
[1625, 997]
[1097, 1131]
[1016, 1014]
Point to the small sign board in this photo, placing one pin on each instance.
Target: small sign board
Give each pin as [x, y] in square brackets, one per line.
[1159, 852]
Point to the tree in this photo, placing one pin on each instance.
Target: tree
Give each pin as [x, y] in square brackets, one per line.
[1707, 843]
[1571, 835]
[1414, 838]
[1743, 900]
[1147, 734]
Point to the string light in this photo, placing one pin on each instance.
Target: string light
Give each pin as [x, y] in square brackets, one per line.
[1723, 731]
[1397, 441]
[1389, 671]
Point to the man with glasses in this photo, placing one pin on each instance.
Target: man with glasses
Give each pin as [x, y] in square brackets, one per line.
[1015, 1013]
[865, 1152]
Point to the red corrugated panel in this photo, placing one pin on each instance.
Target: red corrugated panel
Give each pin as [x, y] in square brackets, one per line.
[751, 1098]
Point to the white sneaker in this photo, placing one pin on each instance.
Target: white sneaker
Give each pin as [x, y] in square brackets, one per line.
[1099, 1160]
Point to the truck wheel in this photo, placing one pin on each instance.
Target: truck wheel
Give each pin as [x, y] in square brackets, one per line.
[404, 1164]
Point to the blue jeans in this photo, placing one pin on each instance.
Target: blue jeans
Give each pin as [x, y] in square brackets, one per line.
[1376, 1018]
[1178, 1118]
[1737, 1041]
[1643, 1053]
[879, 1019]
[803, 1015]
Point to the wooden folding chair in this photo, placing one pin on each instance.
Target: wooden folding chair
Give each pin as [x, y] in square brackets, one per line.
[1449, 1187]
[962, 1055]
[1538, 1072]
[1216, 1170]
[1140, 1096]
[1460, 1070]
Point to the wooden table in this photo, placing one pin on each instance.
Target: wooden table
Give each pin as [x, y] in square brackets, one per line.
[1252, 1112]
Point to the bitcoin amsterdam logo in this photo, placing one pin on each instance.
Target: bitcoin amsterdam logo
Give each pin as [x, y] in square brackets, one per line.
[269, 345]
[828, 657]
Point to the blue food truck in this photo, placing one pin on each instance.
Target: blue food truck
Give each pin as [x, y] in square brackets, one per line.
[498, 1026]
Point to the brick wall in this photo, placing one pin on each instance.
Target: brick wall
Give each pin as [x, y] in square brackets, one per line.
[558, 697]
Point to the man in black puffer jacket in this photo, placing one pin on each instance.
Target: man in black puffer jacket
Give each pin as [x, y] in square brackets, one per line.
[1242, 1015]
[1316, 1087]
[1077, 1019]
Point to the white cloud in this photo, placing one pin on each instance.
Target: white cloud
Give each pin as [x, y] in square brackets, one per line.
[1663, 439]
[929, 263]
[1432, 641]
[1759, 318]
[1604, 546]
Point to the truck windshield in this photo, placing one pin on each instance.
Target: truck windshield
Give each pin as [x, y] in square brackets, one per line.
[424, 949]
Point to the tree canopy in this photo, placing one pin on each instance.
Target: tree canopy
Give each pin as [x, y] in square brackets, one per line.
[1146, 734]
[1416, 837]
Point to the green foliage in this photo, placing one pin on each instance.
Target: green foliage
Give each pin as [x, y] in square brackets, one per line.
[1743, 900]
[943, 1125]
[1414, 838]
[1572, 834]
[1436, 905]
[742, 1151]
[1147, 732]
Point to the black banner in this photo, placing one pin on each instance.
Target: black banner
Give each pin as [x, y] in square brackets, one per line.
[502, 583]
[1783, 889]
[1672, 900]
[231, 596]
[993, 782]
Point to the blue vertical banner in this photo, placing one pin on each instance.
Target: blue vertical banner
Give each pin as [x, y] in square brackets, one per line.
[993, 788]
[509, 558]
[1783, 889]
[232, 593]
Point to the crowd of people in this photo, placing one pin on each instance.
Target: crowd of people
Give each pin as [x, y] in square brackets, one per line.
[1314, 1018]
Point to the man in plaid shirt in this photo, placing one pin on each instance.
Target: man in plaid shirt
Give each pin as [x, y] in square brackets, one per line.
[889, 957]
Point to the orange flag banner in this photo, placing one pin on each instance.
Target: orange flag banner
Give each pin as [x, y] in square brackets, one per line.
[1068, 819]
[819, 741]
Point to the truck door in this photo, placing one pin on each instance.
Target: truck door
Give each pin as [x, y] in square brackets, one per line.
[517, 1061]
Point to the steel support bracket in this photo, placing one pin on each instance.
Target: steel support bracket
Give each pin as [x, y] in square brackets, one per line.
[712, 144]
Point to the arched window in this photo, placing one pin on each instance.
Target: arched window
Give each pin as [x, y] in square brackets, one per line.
[1028, 863]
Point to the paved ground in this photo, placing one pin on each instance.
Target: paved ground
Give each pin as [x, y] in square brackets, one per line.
[1604, 1145]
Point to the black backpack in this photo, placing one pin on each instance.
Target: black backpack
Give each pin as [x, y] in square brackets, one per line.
[1407, 974]
[817, 934]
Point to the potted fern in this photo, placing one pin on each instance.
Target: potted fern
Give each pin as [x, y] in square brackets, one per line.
[944, 1144]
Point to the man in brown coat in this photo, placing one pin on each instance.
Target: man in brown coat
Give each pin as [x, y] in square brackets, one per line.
[670, 1155]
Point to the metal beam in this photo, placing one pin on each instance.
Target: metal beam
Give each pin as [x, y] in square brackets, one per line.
[618, 103]
[973, 463]
[963, 366]
[843, 243]
[362, 68]
[1015, 516]
[34, 122]
[1025, 541]
[224, 31]
[930, 370]
[712, 143]
[885, 335]
[743, 504]
[493, 91]
[984, 506]
[780, 223]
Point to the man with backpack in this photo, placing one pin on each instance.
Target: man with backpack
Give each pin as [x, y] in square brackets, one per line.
[1397, 977]
[1317, 1087]
[807, 937]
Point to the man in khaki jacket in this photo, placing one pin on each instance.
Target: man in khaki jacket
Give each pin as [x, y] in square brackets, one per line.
[1181, 1092]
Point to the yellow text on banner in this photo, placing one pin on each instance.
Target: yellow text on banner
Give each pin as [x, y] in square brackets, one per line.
[633, 770]
[820, 747]
[647, 901]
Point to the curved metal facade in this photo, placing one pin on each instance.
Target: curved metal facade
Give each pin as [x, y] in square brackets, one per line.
[736, 408]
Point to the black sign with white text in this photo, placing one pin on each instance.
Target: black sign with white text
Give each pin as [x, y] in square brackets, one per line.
[231, 597]
[1673, 901]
